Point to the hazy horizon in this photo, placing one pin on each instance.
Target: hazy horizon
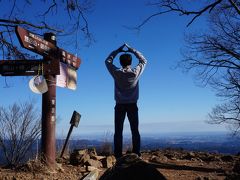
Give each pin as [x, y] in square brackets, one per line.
[148, 128]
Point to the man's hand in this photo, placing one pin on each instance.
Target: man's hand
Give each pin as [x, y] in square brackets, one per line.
[130, 49]
[120, 49]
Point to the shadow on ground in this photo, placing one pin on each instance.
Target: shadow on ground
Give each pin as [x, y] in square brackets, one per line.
[131, 167]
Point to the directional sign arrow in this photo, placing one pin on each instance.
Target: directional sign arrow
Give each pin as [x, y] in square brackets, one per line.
[40, 46]
[28, 67]
[34, 43]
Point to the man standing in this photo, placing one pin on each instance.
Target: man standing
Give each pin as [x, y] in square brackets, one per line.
[126, 95]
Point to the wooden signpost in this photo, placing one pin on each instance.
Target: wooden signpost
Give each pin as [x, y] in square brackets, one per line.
[28, 67]
[43, 47]
[49, 67]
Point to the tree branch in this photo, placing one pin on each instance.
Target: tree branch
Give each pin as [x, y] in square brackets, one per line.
[235, 6]
[149, 18]
[54, 4]
[11, 23]
[173, 6]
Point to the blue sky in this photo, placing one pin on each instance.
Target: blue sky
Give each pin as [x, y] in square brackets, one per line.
[170, 101]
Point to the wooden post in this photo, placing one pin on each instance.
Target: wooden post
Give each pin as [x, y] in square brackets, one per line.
[74, 122]
[49, 114]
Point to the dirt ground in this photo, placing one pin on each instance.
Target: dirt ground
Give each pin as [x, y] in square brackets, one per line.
[172, 164]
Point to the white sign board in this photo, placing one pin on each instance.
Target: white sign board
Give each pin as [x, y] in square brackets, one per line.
[67, 77]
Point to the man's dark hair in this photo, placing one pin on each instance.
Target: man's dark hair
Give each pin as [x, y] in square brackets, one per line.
[125, 59]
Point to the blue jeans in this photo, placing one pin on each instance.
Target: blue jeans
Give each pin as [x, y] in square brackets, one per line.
[132, 113]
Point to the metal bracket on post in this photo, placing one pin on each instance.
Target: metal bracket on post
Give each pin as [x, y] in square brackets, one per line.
[74, 122]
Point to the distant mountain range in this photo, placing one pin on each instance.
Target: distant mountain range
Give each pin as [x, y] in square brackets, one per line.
[217, 142]
[208, 142]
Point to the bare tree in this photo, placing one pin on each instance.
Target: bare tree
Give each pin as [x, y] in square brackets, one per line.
[64, 18]
[20, 127]
[214, 55]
